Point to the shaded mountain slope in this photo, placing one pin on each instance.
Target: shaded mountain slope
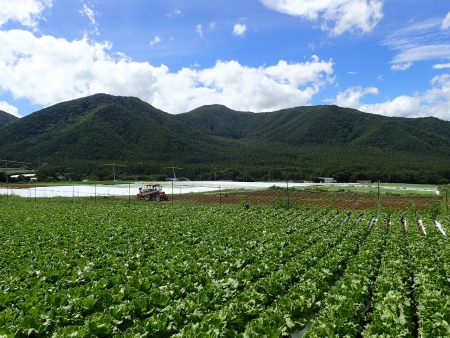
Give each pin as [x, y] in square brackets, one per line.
[324, 125]
[6, 118]
[102, 127]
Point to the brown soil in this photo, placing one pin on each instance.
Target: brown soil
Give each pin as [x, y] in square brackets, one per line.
[336, 200]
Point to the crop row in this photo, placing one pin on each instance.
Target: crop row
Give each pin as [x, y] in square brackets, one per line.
[346, 304]
[100, 263]
[392, 304]
[152, 270]
[429, 264]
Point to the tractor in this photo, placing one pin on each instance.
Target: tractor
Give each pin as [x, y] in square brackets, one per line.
[152, 192]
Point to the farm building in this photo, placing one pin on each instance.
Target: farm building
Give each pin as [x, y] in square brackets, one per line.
[327, 180]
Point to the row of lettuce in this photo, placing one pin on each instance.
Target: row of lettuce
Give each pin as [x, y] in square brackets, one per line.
[151, 270]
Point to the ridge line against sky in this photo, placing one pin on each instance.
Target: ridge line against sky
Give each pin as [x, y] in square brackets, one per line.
[384, 57]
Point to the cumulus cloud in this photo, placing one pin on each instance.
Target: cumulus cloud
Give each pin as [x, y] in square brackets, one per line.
[26, 12]
[239, 30]
[6, 107]
[82, 67]
[350, 98]
[446, 22]
[345, 15]
[433, 102]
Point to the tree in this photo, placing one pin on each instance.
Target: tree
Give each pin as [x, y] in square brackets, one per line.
[46, 173]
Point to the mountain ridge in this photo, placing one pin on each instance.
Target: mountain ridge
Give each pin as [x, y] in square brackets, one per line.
[300, 142]
[6, 118]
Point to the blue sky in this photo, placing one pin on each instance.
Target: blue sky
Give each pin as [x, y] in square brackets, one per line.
[384, 57]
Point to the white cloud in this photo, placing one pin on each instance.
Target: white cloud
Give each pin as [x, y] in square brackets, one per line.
[212, 26]
[155, 40]
[433, 102]
[401, 66]
[346, 15]
[174, 13]
[80, 68]
[199, 29]
[350, 98]
[6, 107]
[418, 42]
[441, 66]
[243, 88]
[421, 53]
[239, 30]
[90, 14]
[26, 12]
[446, 22]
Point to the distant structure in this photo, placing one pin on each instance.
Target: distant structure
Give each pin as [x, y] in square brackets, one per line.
[32, 177]
[300, 181]
[327, 180]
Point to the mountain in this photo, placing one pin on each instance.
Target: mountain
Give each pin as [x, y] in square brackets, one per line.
[303, 142]
[100, 128]
[6, 118]
[218, 120]
[323, 125]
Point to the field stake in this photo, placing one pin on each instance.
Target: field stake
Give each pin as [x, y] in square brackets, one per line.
[446, 197]
[287, 194]
[379, 198]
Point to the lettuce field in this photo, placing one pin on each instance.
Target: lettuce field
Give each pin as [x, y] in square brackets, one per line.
[152, 270]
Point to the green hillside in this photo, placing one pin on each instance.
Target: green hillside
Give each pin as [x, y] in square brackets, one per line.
[100, 127]
[216, 142]
[324, 125]
[6, 118]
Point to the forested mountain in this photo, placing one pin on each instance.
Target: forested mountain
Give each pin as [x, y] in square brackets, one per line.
[216, 142]
[99, 128]
[6, 118]
[323, 125]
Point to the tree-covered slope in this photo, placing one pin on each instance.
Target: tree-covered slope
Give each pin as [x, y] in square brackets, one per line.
[6, 118]
[324, 125]
[102, 127]
[218, 120]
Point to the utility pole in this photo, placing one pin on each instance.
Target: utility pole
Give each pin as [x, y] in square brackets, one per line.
[114, 168]
[174, 178]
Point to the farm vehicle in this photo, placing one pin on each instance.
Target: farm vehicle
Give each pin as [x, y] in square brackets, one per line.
[152, 192]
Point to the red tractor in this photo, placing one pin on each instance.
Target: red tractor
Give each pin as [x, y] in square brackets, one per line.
[152, 192]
